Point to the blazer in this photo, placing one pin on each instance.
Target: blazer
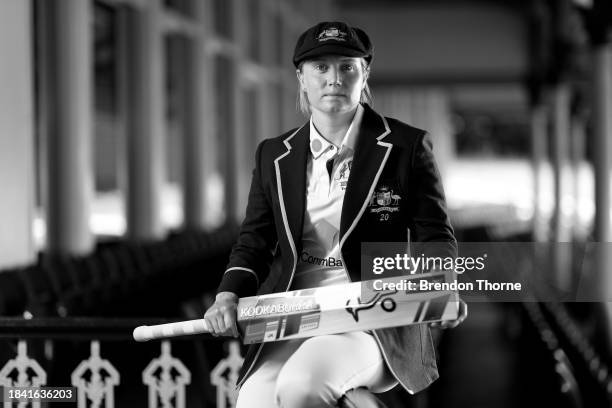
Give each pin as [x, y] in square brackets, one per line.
[387, 153]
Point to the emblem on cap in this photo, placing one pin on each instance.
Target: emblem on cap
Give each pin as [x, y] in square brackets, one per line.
[332, 33]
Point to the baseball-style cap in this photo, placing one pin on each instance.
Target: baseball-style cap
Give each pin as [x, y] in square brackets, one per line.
[332, 37]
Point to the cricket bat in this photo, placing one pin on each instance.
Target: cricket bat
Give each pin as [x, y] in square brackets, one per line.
[357, 306]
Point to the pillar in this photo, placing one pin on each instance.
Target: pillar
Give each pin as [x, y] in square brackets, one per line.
[16, 134]
[539, 149]
[602, 129]
[146, 123]
[267, 99]
[561, 227]
[200, 144]
[600, 30]
[70, 159]
[240, 156]
[578, 155]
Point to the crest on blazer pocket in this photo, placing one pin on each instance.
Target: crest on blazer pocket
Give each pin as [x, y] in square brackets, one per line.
[384, 202]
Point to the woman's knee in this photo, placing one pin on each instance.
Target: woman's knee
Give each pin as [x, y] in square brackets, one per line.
[256, 393]
[303, 391]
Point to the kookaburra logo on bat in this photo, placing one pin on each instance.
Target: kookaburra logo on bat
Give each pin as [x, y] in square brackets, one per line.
[386, 301]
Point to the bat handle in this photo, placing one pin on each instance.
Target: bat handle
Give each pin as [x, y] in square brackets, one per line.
[161, 331]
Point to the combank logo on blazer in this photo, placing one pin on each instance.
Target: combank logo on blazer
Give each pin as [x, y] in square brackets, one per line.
[384, 202]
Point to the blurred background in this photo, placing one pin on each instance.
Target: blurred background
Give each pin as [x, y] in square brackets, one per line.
[127, 135]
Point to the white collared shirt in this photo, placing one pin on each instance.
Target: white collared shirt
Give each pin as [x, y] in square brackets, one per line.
[319, 263]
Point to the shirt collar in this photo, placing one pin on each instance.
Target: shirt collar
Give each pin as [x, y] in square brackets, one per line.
[319, 145]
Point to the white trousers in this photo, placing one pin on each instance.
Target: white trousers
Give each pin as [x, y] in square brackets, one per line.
[315, 372]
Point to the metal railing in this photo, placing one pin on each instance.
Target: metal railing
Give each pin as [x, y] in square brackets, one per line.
[98, 357]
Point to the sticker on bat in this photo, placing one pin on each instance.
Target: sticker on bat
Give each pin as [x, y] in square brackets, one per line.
[386, 301]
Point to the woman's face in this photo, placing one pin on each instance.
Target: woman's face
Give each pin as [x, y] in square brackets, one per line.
[333, 83]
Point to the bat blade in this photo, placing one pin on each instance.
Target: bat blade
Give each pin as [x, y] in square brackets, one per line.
[343, 308]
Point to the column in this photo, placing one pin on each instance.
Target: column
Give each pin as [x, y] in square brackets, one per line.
[582, 196]
[294, 117]
[239, 156]
[146, 123]
[70, 173]
[602, 129]
[200, 144]
[563, 199]
[277, 43]
[539, 149]
[16, 134]
[288, 82]
[267, 99]
[436, 115]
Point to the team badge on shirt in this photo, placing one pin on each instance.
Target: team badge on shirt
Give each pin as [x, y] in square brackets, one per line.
[384, 202]
[342, 175]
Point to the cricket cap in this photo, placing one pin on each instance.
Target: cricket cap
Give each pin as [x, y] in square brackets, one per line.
[332, 38]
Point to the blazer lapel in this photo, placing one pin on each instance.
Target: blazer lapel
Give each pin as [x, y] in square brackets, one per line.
[291, 184]
[371, 154]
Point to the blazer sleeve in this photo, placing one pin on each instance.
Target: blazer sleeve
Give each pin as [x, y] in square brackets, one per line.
[431, 230]
[249, 262]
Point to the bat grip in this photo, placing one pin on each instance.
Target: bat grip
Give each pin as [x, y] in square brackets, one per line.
[161, 331]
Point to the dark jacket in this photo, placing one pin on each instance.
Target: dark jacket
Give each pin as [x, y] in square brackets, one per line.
[388, 153]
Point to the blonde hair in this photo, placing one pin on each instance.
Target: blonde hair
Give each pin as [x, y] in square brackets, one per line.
[303, 105]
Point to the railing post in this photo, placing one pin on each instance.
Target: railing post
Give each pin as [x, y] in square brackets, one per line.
[162, 387]
[22, 364]
[224, 376]
[99, 388]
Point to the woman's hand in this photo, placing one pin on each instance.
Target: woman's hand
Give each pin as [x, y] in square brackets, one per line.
[221, 316]
[450, 324]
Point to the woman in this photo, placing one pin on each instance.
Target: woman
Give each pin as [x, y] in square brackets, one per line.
[312, 200]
